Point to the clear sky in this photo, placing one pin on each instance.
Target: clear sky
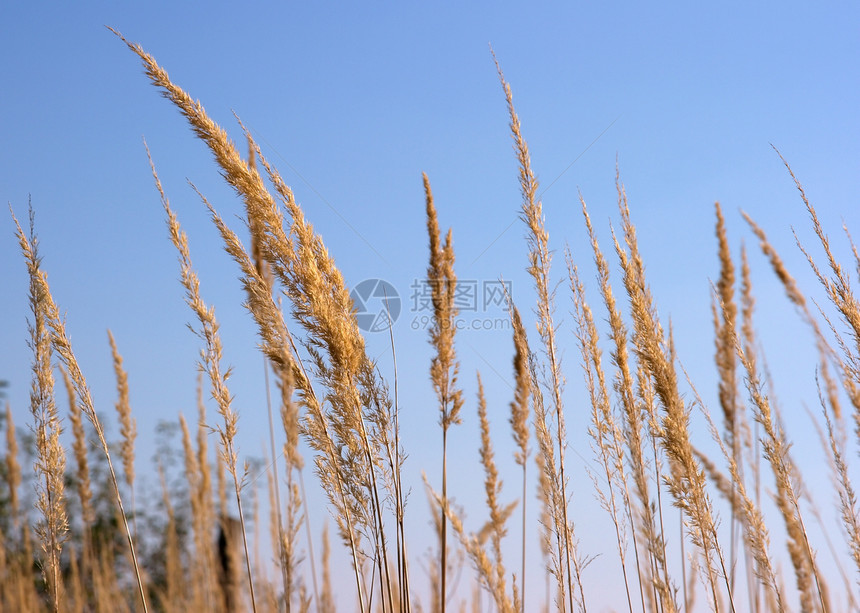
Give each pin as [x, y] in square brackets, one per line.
[352, 101]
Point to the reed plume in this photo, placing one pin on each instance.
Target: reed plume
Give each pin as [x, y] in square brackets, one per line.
[641, 514]
[775, 443]
[724, 332]
[725, 322]
[444, 366]
[775, 450]
[79, 448]
[61, 345]
[540, 259]
[322, 306]
[604, 431]
[749, 515]
[498, 514]
[847, 495]
[210, 363]
[838, 289]
[50, 463]
[127, 424]
[686, 481]
[332, 396]
[519, 422]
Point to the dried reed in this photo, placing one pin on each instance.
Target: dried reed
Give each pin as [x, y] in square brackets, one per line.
[210, 363]
[60, 343]
[50, 457]
[540, 261]
[444, 366]
[686, 481]
[127, 424]
[331, 393]
[519, 422]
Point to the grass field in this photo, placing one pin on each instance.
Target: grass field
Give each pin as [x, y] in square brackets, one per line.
[744, 541]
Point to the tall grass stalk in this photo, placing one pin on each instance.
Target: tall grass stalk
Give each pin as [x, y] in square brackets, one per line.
[604, 431]
[290, 423]
[643, 523]
[725, 321]
[540, 261]
[127, 424]
[519, 422]
[63, 348]
[210, 363]
[51, 458]
[775, 444]
[686, 481]
[360, 411]
[444, 365]
[638, 408]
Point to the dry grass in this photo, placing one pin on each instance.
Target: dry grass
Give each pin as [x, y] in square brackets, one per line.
[127, 424]
[444, 365]
[45, 310]
[333, 399]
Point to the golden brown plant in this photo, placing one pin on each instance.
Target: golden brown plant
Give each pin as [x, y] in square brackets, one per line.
[79, 447]
[540, 261]
[488, 571]
[257, 282]
[653, 573]
[210, 363]
[775, 449]
[686, 481]
[725, 322]
[50, 456]
[358, 419]
[750, 517]
[333, 398]
[519, 423]
[127, 424]
[444, 365]
[775, 443]
[326, 604]
[604, 431]
[847, 496]
[498, 514]
[725, 319]
[63, 348]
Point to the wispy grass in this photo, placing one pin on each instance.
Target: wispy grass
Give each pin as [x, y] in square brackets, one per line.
[334, 402]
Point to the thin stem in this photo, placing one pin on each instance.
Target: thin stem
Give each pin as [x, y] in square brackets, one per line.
[523, 567]
[444, 560]
[281, 553]
[310, 540]
[683, 558]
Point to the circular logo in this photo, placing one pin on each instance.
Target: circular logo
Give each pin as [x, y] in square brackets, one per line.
[377, 305]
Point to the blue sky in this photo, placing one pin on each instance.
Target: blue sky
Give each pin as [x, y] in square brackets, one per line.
[352, 102]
